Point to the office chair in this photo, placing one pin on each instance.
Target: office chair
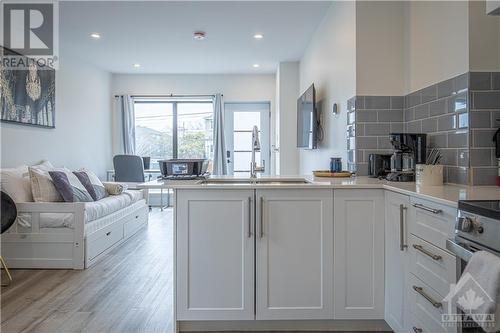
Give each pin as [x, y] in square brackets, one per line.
[128, 168]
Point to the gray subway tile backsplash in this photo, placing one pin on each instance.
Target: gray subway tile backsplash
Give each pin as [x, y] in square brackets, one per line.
[365, 116]
[480, 119]
[422, 111]
[377, 102]
[377, 129]
[458, 139]
[438, 107]
[446, 122]
[429, 125]
[484, 176]
[429, 94]
[480, 81]
[480, 157]
[459, 116]
[495, 81]
[445, 88]
[483, 138]
[486, 100]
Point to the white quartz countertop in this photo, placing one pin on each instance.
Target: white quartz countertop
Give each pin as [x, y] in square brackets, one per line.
[445, 194]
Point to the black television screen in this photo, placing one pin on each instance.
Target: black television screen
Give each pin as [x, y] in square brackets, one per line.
[307, 119]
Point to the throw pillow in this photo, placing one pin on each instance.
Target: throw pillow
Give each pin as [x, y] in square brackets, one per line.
[42, 187]
[16, 183]
[115, 188]
[69, 187]
[91, 183]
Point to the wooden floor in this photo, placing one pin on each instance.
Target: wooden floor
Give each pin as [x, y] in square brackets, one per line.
[130, 290]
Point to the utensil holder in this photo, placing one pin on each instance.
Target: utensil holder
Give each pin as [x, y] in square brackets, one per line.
[429, 175]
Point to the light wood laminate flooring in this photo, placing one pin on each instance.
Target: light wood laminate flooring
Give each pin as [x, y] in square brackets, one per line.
[130, 290]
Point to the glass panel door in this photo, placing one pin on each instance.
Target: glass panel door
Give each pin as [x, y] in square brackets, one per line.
[239, 121]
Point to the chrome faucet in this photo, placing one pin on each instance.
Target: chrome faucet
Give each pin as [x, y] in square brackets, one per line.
[255, 147]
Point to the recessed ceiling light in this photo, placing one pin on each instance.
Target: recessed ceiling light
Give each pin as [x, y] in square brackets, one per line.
[137, 65]
[256, 65]
[199, 35]
[95, 35]
[258, 36]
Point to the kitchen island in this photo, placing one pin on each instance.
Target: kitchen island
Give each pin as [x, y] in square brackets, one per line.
[284, 253]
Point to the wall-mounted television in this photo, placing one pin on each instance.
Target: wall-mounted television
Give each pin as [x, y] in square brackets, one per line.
[307, 120]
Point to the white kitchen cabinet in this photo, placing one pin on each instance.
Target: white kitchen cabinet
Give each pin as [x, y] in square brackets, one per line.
[215, 255]
[396, 259]
[359, 254]
[294, 254]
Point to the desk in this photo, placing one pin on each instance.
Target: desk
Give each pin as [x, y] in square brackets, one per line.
[149, 175]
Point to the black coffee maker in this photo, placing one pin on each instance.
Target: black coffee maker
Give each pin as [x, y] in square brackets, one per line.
[409, 150]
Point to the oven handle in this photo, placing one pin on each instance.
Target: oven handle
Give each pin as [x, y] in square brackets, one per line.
[458, 250]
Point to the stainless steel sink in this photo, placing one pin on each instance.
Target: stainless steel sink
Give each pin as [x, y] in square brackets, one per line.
[254, 181]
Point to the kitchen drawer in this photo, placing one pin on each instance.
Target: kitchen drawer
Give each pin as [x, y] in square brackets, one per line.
[435, 267]
[422, 309]
[103, 239]
[418, 326]
[135, 221]
[431, 221]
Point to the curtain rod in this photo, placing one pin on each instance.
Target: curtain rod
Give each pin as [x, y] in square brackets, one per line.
[168, 95]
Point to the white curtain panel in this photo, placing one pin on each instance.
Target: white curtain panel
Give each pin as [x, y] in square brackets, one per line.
[124, 105]
[219, 163]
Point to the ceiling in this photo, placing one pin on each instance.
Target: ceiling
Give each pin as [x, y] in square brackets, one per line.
[159, 34]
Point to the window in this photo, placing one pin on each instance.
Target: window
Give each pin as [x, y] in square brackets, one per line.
[167, 129]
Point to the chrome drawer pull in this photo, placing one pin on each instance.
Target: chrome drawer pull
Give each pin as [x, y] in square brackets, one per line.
[402, 245]
[428, 209]
[261, 217]
[421, 291]
[417, 330]
[427, 253]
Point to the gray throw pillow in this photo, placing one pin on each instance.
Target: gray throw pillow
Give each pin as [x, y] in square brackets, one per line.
[91, 183]
[69, 187]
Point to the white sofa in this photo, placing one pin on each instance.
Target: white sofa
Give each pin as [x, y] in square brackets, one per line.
[72, 235]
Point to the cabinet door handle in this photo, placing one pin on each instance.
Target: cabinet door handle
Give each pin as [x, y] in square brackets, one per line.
[108, 233]
[427, 253]
[249, 217]
[261, 217]
[417, 330]
[421, 291]
[428, 209]
[402, 244]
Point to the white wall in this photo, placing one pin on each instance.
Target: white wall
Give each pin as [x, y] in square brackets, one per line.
[380, 48]
[287, 92]
[82, 137]
[484, 38]
[437, 43]
[235, 87]
[330, 63]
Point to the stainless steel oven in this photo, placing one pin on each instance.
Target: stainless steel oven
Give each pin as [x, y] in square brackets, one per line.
[477, 229]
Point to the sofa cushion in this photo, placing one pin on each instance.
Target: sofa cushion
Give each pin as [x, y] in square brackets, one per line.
[91, 183]
[69, 186]
[42, 186]
[16, 183]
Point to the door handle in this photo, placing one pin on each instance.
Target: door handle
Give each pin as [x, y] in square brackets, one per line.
[421, 291]
[417, 330]
[427, 253]
[261, 217]
[249, 217]
[402, 244]
[428, 209]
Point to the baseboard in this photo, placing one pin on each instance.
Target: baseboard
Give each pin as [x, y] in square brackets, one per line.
[285, 325]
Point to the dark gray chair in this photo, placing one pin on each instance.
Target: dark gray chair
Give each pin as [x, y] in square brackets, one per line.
[128, 168]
